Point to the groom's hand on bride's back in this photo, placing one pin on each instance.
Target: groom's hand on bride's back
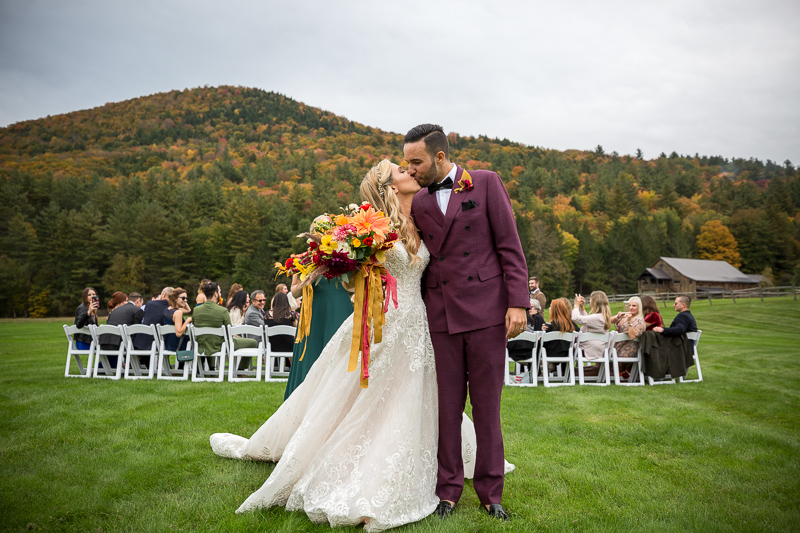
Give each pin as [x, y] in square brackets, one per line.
[516, 320]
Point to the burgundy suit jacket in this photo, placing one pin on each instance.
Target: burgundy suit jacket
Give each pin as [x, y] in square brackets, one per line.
[477, 268]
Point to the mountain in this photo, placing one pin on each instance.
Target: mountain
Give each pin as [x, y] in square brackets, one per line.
[215, 182]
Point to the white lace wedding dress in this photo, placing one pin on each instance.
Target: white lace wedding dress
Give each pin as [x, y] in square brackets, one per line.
[348, 455]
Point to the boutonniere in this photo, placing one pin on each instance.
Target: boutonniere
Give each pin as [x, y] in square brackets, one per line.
[464, 184]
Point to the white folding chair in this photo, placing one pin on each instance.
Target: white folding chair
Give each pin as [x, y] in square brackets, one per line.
[137, 357]
[165, 369]
[73, 352]
[518, 380]
[201, 370]
[636, 376]
[101, 355]
[255, 354]
[695, 337]
[277, 361]
[568, 378]
[603, 377]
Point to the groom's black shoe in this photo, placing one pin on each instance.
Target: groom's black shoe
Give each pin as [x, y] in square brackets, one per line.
[444, 509]
[496, 510]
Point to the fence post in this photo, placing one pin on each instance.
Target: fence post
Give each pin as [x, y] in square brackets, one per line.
[794, 292]
[733, 295]
[709, 299]
[761, 292]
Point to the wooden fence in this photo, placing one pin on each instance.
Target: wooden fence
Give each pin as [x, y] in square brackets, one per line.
[757, 292]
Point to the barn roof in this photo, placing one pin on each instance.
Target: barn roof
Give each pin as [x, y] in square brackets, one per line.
[706, 270]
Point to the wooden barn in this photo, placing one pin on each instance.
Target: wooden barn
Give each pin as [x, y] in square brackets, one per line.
[672, 274]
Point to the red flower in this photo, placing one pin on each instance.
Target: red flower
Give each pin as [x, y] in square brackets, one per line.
[367, 241]
[313, 245]
[392, 236]
[364, 207]
[289, 262]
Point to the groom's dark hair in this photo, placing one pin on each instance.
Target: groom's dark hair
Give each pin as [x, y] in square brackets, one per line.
[434, 137]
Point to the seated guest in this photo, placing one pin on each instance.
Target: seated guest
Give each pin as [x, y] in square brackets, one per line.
[201, 297]
[294, 304]
[213, 315]
[560, 320]
[632, 324]
[255, 315]
[176, 315]
[234, 289]
[153, 314]
[136, 299]
[652, 317]
[599, 321]
[521, 350]
[86, 315]
[122, 312]
[684, 321]
[237, 306]
[281, 315]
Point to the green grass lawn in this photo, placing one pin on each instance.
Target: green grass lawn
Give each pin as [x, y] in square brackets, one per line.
[722, 455]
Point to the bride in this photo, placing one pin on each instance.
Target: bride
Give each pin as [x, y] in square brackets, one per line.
[348, 455]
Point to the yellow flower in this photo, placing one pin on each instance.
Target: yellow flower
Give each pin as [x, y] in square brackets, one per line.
[326, 239]
[341, 220]
[356, 243]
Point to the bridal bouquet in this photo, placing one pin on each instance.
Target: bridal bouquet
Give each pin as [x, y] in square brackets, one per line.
[349, 246]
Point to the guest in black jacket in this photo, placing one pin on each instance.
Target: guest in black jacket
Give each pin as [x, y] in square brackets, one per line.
[153, 314]
[85, 315]
[683, 323]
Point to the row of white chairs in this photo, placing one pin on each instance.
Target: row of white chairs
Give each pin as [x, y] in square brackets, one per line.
[609, 363]
[162, 363]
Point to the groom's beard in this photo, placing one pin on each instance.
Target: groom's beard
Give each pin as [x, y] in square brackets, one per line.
[429, 177]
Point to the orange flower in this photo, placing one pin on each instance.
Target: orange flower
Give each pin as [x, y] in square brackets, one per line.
[370, 221]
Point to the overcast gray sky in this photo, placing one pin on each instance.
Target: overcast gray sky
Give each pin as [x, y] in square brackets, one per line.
[710, 77]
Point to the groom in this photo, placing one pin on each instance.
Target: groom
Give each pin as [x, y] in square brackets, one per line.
[476, 295]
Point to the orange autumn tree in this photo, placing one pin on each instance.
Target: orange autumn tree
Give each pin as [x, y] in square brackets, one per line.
[715, 242]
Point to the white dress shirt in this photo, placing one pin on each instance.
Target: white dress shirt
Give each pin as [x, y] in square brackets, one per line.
[443, 195]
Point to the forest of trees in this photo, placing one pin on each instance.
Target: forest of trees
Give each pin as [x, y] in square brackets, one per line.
[217, 182]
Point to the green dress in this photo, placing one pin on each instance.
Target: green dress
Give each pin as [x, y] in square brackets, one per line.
[331, 306]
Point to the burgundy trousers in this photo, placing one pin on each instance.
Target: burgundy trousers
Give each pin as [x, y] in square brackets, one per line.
[473, 360]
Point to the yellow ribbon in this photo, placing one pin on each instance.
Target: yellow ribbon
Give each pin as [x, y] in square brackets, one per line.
[368, 317]
[304, 324]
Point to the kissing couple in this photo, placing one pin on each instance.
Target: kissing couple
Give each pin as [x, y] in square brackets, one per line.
[393, 453]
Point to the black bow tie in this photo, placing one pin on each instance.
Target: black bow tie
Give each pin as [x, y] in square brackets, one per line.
[433, 187]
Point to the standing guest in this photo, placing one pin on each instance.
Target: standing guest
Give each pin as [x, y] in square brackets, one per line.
[632, 324]
[330, 307]
[153, 314]
[86, 315]
[237, 305]
[201, 297]
[652, 316]
[176, 314]
[213, 315]
[599, 321]
[533, 287]
[684, 321]
[234, 289]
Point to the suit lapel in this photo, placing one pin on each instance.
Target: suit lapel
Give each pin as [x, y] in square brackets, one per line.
[452, 205]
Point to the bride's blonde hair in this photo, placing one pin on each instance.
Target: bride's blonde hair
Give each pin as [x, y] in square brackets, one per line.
[375, 189]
